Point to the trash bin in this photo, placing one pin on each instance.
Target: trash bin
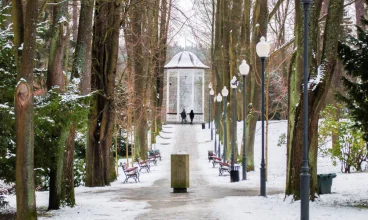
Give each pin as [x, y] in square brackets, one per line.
[180, 172]
[210, 153]
[234, 176]
[203, 125]
[325, 183]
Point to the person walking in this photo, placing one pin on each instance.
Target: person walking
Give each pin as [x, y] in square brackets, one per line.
[191, 115]
[183, 116]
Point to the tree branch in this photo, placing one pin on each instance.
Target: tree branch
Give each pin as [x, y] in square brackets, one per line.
[274, 10]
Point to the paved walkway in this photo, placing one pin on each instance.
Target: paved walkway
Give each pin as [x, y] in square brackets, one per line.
[191, 205]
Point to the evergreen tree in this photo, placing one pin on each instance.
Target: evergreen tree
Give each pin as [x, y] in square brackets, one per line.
[354, 55]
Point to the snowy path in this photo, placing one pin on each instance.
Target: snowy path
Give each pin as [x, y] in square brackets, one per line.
[211, 196]
[195, 204]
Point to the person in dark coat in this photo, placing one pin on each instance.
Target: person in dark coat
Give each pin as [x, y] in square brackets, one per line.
[191, 115]
[183, 116]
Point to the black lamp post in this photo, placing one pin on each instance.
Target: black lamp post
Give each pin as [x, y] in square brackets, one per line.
[234, 174]
[244, 70]
[263, 49]
[214, 147]
[210, 104]
[225, 93]
[219, 99]
[304, 176]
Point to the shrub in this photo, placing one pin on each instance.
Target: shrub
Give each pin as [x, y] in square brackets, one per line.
[282, 140]
[350, 148]
[79, 172]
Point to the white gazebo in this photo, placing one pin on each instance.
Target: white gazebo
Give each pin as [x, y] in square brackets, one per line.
[185, 87]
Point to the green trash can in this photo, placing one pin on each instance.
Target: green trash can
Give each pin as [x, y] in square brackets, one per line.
[325, 183]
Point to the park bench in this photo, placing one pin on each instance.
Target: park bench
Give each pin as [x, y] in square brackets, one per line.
[144, 164]
[152, 159]
[224, 167]
[215, 160]
[210, 156]
[130, 172]
[155, 153]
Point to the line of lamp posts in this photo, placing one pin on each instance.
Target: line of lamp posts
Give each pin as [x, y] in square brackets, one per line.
[263, 49]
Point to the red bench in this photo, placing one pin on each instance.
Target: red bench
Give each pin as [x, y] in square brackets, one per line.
[210, 156]
[144, 164]
[224, 167]
[215, 160]
[130, 172]
[157, 155]
[152, 159]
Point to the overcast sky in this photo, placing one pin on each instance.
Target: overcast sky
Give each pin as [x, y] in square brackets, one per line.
[180, 32]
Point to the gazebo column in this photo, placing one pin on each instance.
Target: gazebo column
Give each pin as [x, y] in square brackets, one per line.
[167, 94]
[203, 95]
[178, 98]
[192, 74]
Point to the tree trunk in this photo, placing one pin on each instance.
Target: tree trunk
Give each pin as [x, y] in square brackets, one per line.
[25, 182]
[162, 50]
[227, 55]
[246, 54]
[75, 20]
[317, 94]
[68, 195]
[140, 82]
[260, 17]
[59, 38]
[294, 159]
[18, 27]
[81, 68]
[359, 11]
[154, 111]
[82, 56]
[55, 78]
[102, 113]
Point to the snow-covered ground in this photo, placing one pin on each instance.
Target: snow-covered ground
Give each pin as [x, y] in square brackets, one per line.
[143, 200]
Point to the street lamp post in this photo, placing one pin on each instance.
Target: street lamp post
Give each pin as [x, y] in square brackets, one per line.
[234, 175]
[263, 49]
[304, 176]
[225, 93]
[244, 70]
[219, 99]
[215, 151]
[209, 102]
[210, 123]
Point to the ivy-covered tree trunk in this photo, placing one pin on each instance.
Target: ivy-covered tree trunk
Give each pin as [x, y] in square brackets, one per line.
[82, 56]
[245, 53]
[67, 191]
[56, 79]
[294, 89]
[102, 113]
[227, 55]
[154, 111]
[82, 70]
[140, 81]
[25, 33]
[260, 17]
[317, 94]
[165, 14]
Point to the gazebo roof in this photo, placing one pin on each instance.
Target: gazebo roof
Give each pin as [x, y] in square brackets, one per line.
[185, 59]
